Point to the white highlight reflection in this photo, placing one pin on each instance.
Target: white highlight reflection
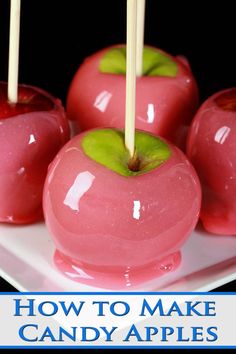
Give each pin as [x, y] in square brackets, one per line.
[151, 113]
[81, 185]
[79, 273]
[102, 100]
[222, 134]
[21, 171]
[136, 209]
[32, 139]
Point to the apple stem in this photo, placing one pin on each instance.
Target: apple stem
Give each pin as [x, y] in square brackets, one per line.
[134, 163]
[131, 76]
[13, 62]
[140, 35]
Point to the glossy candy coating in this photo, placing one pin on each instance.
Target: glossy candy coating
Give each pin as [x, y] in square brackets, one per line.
[114, 231]
[31, 133]
[165, 105]
[212, 150]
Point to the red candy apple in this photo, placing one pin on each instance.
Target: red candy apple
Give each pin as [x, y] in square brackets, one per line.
[31, 133]
[167, 95]
[212, 150]
[113, 224]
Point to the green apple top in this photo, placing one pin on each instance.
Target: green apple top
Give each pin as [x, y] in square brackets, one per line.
[106, 147]
[155, 62]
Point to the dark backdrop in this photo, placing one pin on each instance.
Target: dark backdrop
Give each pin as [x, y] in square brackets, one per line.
[56, 36]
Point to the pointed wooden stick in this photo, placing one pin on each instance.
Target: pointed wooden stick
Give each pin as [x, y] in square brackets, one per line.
[13, 63]
[140, 35]
[131, 76]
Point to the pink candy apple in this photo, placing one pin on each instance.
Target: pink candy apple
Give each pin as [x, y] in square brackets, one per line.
[167, 94]
[31, 133]
[212, 150]
[113, 226]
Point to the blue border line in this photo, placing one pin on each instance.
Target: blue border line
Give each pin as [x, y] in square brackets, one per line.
[121, 347]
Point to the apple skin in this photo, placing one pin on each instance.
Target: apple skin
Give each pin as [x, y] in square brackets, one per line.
[29, 140]
[212, 149]
[96, 99]
[99, 240]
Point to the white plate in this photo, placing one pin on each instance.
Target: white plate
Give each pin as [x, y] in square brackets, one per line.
[26, 254]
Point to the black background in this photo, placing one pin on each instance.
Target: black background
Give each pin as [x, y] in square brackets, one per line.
[57, 35]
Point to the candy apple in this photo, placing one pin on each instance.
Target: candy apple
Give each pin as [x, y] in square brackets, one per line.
[31, 133]
[167, 94]
[117, 223]
[212, 150]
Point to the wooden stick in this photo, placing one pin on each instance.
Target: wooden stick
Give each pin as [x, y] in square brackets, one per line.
[13, 63]
[140, 35]
[131, 76]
